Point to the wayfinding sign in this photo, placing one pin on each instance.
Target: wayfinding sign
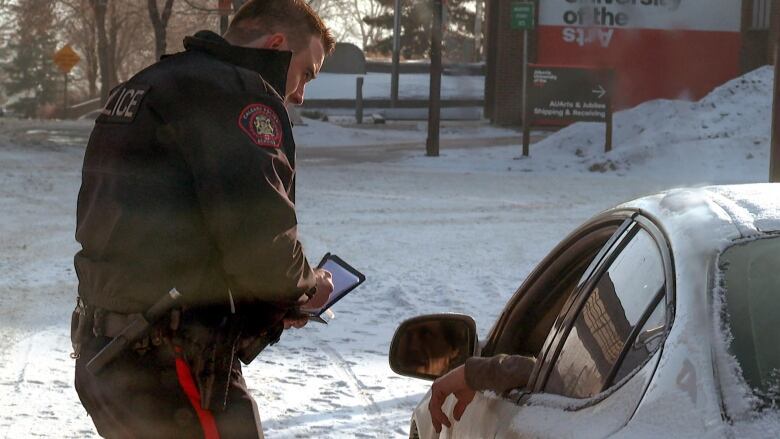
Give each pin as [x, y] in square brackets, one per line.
[561, 96]
[564, 95]
[522, 15]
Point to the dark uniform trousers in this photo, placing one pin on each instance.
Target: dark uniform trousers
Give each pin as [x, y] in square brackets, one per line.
[153, 395]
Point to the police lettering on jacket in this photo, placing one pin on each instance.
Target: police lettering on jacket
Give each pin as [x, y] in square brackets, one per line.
[123, 103]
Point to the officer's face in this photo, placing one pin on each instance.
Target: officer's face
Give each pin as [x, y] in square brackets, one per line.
[304, 67]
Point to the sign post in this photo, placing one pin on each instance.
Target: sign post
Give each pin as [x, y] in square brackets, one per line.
[565, 95]
[65, 59]
[523, 18]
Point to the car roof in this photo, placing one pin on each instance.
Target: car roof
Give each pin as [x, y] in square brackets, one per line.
[708, 218]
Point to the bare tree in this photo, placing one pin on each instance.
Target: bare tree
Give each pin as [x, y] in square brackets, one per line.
[79, 29]
[345, 18]
[131, 38]
[367, 8]
[105, 56]
[6, 18]
[160, 25]
[121, 48]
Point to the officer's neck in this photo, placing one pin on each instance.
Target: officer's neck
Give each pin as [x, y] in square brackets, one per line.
[272, 65]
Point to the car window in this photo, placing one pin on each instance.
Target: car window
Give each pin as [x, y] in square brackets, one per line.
[542, 317]
[751, 280]
[624, 298]
[529, 320]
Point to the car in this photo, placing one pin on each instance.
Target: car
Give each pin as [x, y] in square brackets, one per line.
[656, 318]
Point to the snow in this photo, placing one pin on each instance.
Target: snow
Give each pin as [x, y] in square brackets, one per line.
[317, 134]
[722, 134]
[377, 86]
[454, 233]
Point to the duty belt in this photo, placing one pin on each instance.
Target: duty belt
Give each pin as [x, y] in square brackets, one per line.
[137, 332]
[110, 324]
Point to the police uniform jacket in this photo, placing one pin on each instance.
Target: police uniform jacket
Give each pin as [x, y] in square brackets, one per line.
[188, 182]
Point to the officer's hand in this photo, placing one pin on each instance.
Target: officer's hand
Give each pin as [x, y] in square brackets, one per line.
[453, 383]
[295, 322]
[324, 287]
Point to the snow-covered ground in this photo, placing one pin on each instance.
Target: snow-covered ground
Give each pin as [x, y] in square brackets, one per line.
[453, 233]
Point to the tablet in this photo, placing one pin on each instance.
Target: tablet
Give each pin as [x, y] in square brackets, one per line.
[345, 279]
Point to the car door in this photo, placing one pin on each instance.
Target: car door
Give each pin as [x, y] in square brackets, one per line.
[529, 315]
[599, 355]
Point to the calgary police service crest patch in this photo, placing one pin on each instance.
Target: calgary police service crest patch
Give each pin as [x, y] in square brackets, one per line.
[261, 123]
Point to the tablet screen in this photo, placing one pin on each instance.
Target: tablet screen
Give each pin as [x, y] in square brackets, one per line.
[345, 279]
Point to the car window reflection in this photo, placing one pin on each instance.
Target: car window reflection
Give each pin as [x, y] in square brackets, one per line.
[613, 309]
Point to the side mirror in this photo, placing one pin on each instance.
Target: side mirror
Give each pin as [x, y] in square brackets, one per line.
[429, 346]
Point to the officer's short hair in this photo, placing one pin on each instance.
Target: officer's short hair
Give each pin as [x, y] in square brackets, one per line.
[294, 18]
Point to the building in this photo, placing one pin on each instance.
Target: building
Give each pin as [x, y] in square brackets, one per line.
[674, 49]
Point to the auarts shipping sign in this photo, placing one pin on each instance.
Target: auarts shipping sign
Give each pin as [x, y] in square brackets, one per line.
[658, 48]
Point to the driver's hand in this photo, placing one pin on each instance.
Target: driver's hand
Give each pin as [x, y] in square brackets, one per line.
[452, 383]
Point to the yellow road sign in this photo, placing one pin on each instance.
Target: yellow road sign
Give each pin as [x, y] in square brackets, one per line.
[66, 58]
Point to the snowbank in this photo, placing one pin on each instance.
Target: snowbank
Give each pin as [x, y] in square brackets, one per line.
[726, 128]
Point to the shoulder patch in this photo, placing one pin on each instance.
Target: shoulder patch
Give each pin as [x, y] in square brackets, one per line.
[123, 103]
[261, 123]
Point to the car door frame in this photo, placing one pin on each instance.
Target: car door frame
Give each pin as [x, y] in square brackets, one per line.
[566, 320]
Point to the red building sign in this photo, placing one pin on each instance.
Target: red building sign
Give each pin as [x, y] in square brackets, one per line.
[675, 49]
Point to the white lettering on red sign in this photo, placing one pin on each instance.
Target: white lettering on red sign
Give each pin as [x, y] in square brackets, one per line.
[583, 36]
[701, 15]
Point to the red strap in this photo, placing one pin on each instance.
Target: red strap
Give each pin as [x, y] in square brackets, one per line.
[191, 390]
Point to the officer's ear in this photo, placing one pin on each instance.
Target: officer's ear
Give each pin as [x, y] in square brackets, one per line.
[277, 41]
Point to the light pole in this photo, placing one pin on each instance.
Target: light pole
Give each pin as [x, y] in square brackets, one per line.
[396, 54]
[434, 105]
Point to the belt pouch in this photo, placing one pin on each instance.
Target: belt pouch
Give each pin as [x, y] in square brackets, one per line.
[81, 323]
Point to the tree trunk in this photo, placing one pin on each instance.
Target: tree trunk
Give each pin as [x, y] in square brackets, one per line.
[99, 8]
[160, 25]
[113, 39]
[363, 32]
[91, 60]
[92, 74]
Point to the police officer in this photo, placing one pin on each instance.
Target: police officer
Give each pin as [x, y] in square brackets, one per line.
[189, 183]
